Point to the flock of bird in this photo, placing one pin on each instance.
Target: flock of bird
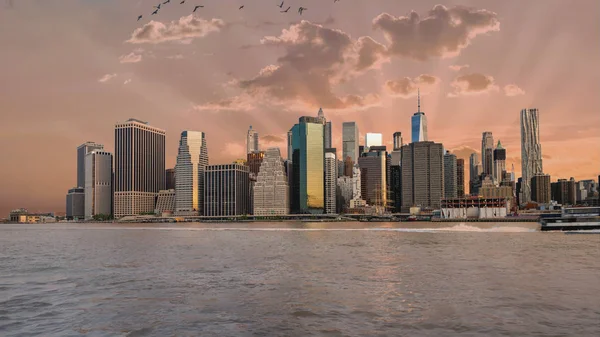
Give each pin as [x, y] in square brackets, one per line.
[157, 8]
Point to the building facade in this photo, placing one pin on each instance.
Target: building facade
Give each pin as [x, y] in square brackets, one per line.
[531, 151]
[271, 190]
[82, 151]
[373, 139]
[419, 124]
[139, 167]
[499, 163]
[460, 178]
[192, 159]
[487, 153]
[564, 192]
[397, 141]
[227, 190]
[254, 161]
[330, 181]
[98, 184]
[165, 202]
[450, 176]
[540, 188]
[350, 139]
[170, 179]
[252, 141]
[344, 193]
[422, 175]
[373, 173]
[75, 204]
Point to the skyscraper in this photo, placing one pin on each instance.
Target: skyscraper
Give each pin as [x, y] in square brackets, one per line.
[450, 180]
[308, 165]
[397, 141]
[460, 178]
[487, 153]
[419, 124]
[192, 159]
[373, 139]
[350, 141]
[170, 179]
[254, 160]
[373, 172]
[422, 175]
[540, 188]
[227, 190]
[473, 172]
[330, 181]
[531, 151]
[289, 145]
[139, 167]
[98, 183]
[75, 204]
[82, 150]
[271, 191]
[252, 141]
[344, 193]
[499, 162]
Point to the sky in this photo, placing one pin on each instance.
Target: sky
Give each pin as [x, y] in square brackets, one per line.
[72, 69]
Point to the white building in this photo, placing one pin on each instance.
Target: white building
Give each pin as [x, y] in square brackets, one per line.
[271, 192]
[373, 139]
[98, 183]
[531, 151]
[252, 141]
[330, 181]
[192, 159]
[357, 200]
[474, 208]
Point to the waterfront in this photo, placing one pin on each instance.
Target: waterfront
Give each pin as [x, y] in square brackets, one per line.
[297, 279]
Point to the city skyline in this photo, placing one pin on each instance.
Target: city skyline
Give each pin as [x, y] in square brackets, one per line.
[64, 96]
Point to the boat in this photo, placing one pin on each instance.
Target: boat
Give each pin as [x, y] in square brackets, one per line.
[573, 219]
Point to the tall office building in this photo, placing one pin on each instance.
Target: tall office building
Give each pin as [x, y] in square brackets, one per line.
[98, 183]
[373, 172]
[271, 191]
[499, 163]
[82, 150]
[395, 179]
[289, 145]
[308, 166]
[350, 141]
[531, 151]
[474, 173]
[227, 190]
[419, 124]
[373, 139]
[540, 188]
[252, 141]
[397, 141]
[192, 159]
[564, 192]
[170, 179]
[344, 193]
[327, 131]
[422, 175]
[450, 176]
[139, 167]
[460, 178]
[76, 204]
[487, 153]
[254, 160]
[330, 181]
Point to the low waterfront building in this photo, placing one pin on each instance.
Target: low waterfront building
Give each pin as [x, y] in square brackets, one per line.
[165, 203]
[474, 208]
[75, 204]
[21, 215]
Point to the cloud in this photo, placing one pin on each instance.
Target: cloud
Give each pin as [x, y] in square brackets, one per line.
[175, 57]
[130, 58]
[184, 30]
[444, 32]
[235, 149]
[237, 103]
[513, 90]
[458, 67]
[127, 81]
[472, 84]
[106, 78]
[407, 87]
[272, 139]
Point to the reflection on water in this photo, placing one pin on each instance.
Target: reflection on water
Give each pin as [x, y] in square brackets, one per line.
[297, 279]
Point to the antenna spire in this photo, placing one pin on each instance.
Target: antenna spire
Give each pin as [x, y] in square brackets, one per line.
[419, 99]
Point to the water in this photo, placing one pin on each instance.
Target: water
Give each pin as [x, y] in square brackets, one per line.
[297, 279]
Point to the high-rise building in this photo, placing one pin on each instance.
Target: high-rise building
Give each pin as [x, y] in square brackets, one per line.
[330, 181]
[474, 173]
[357, 199]
[396, 187]
[170, 179]
[252, 141]
[76, 203]
[373, 139]
[327, 140]
[344, 193]
[348, 167]
[373, 172]
[564, 192]
[460, 178]
[227, 190]
[419, 124]
[540, 188]
[499, 162]
[340, 167]
[289, 167]
[192, 159]
[361, 150]
[350, 141]
[397, 141]
[487, 153]
[289, 145]
[308, 162]
[139, 167]
[254, 160]
[450, 179]
[98, 183]
[422, 175]
[271, 191]
[531, 151]
[82, 150]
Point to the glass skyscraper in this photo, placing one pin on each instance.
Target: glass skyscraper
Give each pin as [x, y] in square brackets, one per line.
[192, 159]
[308, 160]
[418, 124]
[350, 141]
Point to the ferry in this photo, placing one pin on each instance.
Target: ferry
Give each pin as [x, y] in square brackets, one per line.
[573, 219]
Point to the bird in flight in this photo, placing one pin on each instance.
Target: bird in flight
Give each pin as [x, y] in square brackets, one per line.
[334, 1]
[155, 12]
[139, 17]
[301, 9]
[281, 6]
[166, 2]
[157, 7]
[182, 2]
[285, 11]
[242, 6]
[195, 8]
